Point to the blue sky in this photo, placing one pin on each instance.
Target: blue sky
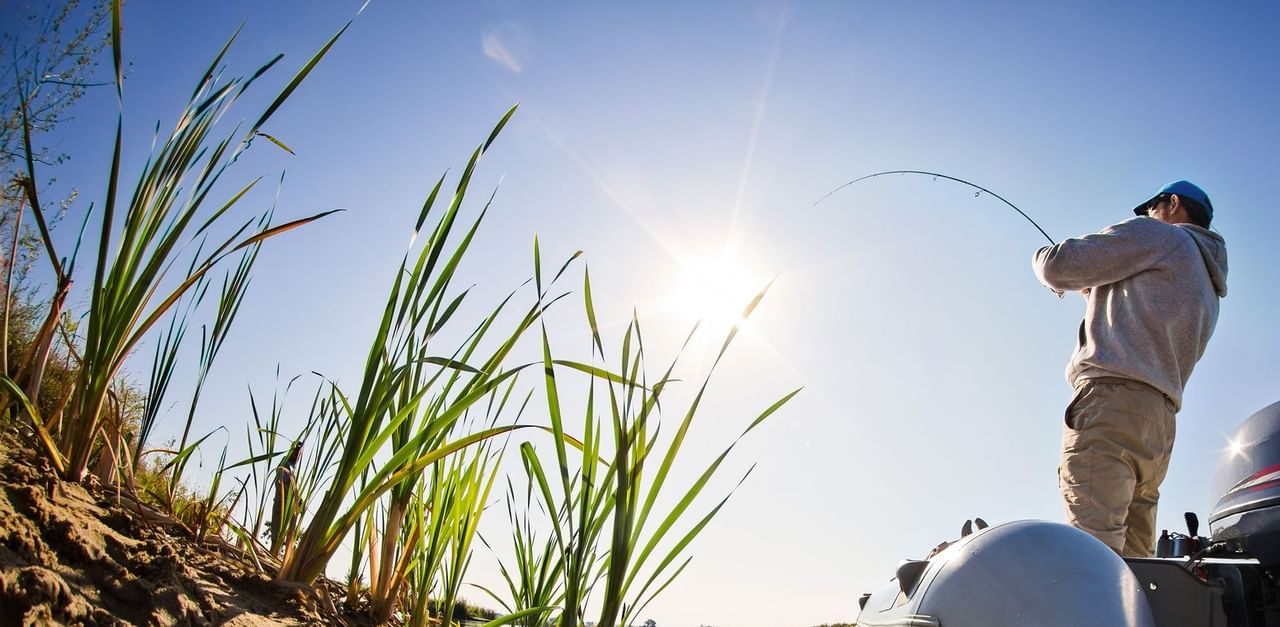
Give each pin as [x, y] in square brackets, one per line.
[656, 135]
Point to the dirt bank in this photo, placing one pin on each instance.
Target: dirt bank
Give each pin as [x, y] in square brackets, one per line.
[74, 554]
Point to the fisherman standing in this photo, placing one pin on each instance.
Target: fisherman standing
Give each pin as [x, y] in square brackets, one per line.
[1151, 286]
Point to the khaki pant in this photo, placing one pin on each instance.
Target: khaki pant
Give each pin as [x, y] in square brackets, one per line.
[1115, 452]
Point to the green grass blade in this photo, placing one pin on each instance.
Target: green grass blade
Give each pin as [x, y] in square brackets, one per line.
[115, 49]
[599, 373]
[511, 618]
[426, 205]
[746, 313]
[183, 454]
[499, 126]
[51, 450]
[381, 484]
[690, 535]
[297, 79]
[450, 363]
[591, 312]
[277, 142]
[29, 185]
[692, 493]
[288, 226]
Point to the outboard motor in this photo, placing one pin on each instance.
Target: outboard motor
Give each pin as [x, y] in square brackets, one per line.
[1247, 516]
[1230, 577]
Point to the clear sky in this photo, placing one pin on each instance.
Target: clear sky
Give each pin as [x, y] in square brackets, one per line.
[657, 136]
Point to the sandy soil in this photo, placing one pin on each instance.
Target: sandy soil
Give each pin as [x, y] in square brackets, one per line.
[75, 555]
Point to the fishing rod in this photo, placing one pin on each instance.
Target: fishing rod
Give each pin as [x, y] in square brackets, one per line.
[936, 176]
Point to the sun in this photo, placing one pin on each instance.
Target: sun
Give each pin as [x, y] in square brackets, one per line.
[715, 289]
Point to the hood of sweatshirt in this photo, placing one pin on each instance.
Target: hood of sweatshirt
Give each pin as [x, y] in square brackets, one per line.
[1213, 249]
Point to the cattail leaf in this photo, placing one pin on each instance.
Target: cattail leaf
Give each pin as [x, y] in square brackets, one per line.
[184, 453]
[298, 78]
[50, 449]
[277, 142]
[499, 126]
[591, 313]
[599, 373]
[449, 363]
[249, 461]
[512, 618]
[116, 49]
[288, 226]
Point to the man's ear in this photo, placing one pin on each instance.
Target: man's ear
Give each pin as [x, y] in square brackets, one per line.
[1175, 201]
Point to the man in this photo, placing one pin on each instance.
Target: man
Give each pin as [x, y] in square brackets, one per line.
[1151, 286]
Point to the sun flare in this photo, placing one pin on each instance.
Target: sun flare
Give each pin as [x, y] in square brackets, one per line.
[715, 289]
[1235, 448]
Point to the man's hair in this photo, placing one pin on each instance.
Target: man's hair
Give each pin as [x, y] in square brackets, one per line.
[1199, 215]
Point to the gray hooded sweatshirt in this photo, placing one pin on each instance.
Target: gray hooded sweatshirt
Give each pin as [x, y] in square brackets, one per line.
[1152, 300]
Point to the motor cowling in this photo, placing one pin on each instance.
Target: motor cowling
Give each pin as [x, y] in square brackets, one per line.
[1021, 573]
[1247, 515]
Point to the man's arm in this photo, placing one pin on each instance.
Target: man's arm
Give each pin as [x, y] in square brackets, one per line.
[1115, 253]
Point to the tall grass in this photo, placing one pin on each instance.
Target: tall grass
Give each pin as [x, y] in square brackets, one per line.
[285, 473]
[608, 536]
[533, 575]
[447, 508]
[234, 286]
[410, 398]
[168, 207]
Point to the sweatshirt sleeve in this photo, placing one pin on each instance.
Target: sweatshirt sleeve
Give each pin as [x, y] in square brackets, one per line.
[1115, 253]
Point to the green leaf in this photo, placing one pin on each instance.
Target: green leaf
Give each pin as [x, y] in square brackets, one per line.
[183, 454]
[298, 78]
[449, 363]
[599, 373]
[50, 449]
[277, 142]
[511, 618]
[499, 126]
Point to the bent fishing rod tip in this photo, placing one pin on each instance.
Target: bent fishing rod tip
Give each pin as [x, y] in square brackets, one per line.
[979, 190]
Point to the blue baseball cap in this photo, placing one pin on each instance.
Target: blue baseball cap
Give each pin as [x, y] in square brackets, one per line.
[1185, 189]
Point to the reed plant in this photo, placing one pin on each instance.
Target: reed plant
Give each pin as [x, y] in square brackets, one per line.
[284, 473]
[169, 206]
[392, 546]
[533, 575]
[234, 286]
[429, 543]
[411, 397]
[446, 509]
[164, 363]
[608, 536]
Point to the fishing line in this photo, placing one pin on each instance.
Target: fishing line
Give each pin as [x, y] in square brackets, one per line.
[936, 176]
